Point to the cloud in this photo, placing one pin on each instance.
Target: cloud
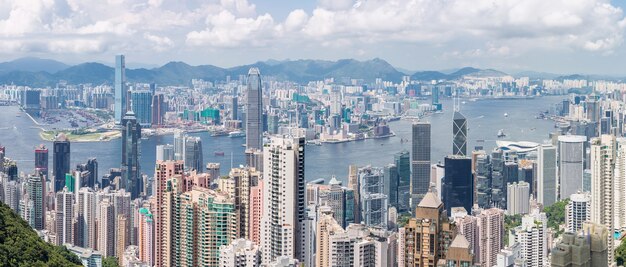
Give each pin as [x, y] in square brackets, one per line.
[461, 28]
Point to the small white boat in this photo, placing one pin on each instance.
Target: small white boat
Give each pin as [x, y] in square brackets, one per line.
[506, 115]
[501, 133]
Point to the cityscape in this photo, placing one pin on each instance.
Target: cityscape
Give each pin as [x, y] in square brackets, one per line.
[117, 159]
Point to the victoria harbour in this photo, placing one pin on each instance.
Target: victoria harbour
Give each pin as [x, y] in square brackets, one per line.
[485, 118]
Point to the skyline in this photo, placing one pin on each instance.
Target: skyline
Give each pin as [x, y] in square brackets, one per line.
[583, 37]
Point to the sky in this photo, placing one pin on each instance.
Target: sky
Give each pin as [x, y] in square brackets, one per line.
[558, 36]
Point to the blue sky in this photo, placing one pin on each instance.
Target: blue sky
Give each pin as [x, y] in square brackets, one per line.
[560, 36]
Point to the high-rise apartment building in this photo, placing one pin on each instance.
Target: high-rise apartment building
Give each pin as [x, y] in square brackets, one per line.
[106, 228]
[141, 105]
[243, 179]
[163, 171]
[532, 236]
[518, 198]
[121, 94]
[131, 138]
[619, 184]
[254, 110]
[146, 236]
[571, 164]
[428, 234]
[602, 180]
[282, 228]
[36, 191]
[420, 161]
[577, 211]
[240, 253]
[64, 217]
[546, 175]
[256, 212]
[61, 160]
[86, 218]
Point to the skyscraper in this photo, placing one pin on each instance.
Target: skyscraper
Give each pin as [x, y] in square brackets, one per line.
[577, 211]
[430, 223]
[518, 198]
[106, 228]
[571, 164]
[64, 216]
[163, 171]
[254, 110]
[193, 154]
[86, 218]
[158, 109]
[619, 184]
[420, 161]
[546, 175]
[532, 235]
[483, 180]
[141, 103]
[459, 134]
[120, 89]
[131, 136]
[61, 160]
[164, 152]
[41, 160]
[282, 229]
[602, 197]
[402, 160]
[36, 189]
[458, 183]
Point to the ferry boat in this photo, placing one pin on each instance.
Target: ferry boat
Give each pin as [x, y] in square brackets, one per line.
[501, 133]
[236, 134]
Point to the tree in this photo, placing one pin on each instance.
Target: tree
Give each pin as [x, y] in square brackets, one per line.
[21, 246]
[110, 262]
[556, 215]
[620, 253]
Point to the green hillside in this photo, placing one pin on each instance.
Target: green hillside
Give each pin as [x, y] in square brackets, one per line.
[20, 245]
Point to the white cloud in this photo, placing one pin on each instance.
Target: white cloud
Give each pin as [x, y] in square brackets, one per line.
[461, 28]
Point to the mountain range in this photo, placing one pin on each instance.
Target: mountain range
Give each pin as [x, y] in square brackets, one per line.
[36, 72]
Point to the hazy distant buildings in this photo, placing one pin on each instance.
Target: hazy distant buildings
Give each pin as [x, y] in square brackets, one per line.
[61, 160]
[158, 110]
[420, 161]
[141, 103]
[164, 152]
[254, 110]
[121, 94]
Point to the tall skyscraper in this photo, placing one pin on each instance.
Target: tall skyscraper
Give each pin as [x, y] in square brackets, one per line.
[41, 160]
[61, 160]
[179, 145]
[420, 161]
[483, 180]
[602, 196]
[243, 180]
[390, 173]
[283, 231]
[106, 228]
[459, 134]
[120, 89]
[141, 104]
[254, 110]
[458, 183]
[163, 171]
[430, 223]
[577, 211]
[36, 189]
[131, 137]
[490, 233]
[158, 109]
[619, 186]
[402, 160]
[64, 217]
[86, 218]
[546, 175]
[571, 164]
[193, 154]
